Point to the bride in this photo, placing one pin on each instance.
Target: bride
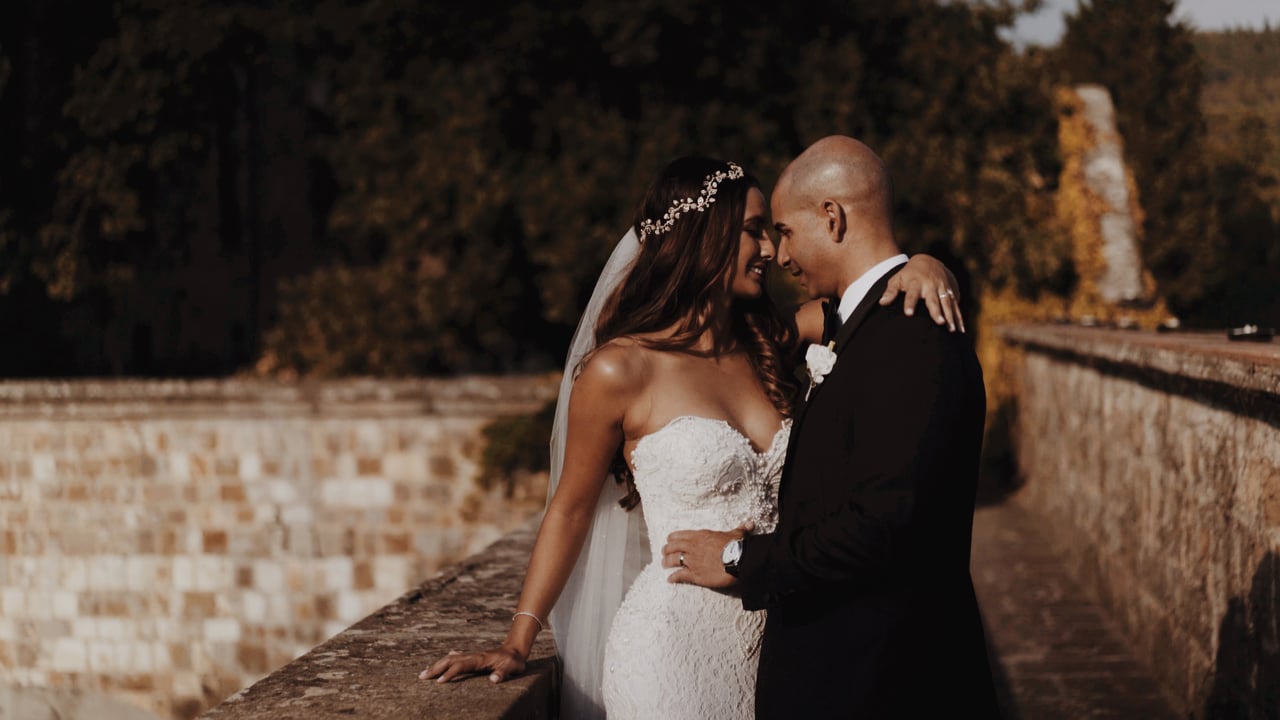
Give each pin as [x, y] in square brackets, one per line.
[678, 385]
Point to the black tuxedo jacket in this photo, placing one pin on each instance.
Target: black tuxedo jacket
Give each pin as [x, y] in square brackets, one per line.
[871, 607]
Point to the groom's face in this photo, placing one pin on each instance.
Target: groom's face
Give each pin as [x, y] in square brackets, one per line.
[804, 245]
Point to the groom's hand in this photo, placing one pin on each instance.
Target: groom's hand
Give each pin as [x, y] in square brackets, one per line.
[697, 554]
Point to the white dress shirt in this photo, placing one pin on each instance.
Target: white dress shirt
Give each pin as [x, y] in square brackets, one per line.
[858, 290]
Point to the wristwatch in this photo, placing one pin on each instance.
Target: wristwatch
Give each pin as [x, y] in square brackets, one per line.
[731, 555]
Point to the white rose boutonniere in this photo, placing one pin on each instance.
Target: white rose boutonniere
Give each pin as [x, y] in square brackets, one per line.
[819, 360]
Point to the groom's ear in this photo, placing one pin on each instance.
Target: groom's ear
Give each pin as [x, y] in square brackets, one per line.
[837, 223]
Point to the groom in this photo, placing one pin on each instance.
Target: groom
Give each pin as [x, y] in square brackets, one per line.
[872, 612]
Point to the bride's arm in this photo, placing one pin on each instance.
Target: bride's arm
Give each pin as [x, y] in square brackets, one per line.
[597, 405]
[924, 276]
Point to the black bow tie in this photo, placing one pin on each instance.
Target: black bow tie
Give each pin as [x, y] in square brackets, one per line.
[831, 321]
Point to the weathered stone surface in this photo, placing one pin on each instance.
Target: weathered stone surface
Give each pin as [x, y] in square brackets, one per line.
[1055, 651]
[123, 399]
[371, 669]
[1104, 173]
[177, 549]
[1159, 456]
[21, 703]
[167, 543]
[1227, 367]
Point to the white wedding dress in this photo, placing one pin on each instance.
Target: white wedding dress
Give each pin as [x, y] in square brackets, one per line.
[681, 651]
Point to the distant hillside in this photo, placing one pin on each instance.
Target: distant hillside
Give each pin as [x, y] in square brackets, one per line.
[1241, 99]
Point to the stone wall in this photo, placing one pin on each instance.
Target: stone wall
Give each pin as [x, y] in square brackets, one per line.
[370, 670]
[1158, 457]
[167, 543]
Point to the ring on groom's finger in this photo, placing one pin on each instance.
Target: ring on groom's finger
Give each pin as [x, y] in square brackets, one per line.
[946, 294]
[682, 560]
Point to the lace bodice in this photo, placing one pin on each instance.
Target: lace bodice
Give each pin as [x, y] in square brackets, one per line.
[698, 472]
[680, 651]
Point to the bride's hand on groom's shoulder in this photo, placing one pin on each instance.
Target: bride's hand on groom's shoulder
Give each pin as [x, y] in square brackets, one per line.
[925, 278]
[501, 664]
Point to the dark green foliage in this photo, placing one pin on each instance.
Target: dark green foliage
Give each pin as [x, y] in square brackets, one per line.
[498, 173]
[1208, 190]
[1246, 287]
[1242, 93]
[1149, 63]
[516, 443]
[157, 186]
[399, 187]
[1242, 108]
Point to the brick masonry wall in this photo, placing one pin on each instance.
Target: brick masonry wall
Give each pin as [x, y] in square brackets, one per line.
[168, 543]
[370, 670]
[1159, 459]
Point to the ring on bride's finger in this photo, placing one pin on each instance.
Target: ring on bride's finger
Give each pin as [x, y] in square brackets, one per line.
[682, 560]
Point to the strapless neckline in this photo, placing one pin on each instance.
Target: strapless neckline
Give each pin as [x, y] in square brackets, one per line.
[719, 422]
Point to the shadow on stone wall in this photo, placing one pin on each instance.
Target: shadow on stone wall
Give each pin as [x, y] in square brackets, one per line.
[999, 477]
[1246, 683]
[1000, 679]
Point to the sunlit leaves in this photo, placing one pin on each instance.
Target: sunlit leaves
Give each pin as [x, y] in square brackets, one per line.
[482, 162]
[1145, 57]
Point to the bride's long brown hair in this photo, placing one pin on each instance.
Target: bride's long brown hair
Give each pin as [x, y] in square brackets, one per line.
[683, 276]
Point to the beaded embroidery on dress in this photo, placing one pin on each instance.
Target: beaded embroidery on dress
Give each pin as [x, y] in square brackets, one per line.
[681, 651]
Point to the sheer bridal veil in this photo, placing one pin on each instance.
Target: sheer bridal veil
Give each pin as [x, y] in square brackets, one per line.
[616, 547]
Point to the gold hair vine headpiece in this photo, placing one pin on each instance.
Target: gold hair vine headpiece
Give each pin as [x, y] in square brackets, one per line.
[705, 199]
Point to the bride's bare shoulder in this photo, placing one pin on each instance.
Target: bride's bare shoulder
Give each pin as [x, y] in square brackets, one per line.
[621, 366]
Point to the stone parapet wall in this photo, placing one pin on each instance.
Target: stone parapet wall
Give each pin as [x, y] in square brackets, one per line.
[1158, 458]
[371, 670]
[168, 543]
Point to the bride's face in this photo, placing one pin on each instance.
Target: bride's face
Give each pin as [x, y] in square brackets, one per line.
[755, 249]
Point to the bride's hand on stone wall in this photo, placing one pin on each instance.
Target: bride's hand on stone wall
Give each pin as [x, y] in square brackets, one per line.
[501, 664]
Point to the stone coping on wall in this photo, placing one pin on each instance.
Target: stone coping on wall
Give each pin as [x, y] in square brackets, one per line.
[76, 399]
[371, 669]
[1196, 357]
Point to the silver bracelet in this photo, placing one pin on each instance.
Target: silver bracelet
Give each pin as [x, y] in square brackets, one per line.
[535, 618]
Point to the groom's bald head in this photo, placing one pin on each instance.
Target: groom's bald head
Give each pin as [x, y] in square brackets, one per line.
[833, 210]
[844, 170]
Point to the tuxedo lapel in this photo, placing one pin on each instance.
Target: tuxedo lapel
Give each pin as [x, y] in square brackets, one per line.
[869, 302]
[864, 308]
[830, 321]
[842, 337]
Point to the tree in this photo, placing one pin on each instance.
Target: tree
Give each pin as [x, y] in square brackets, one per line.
[180, 189]
[1148, 61]
[1245, 188]
[491, 160]
[39, 51]
[1242, 109]
[397, 187]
